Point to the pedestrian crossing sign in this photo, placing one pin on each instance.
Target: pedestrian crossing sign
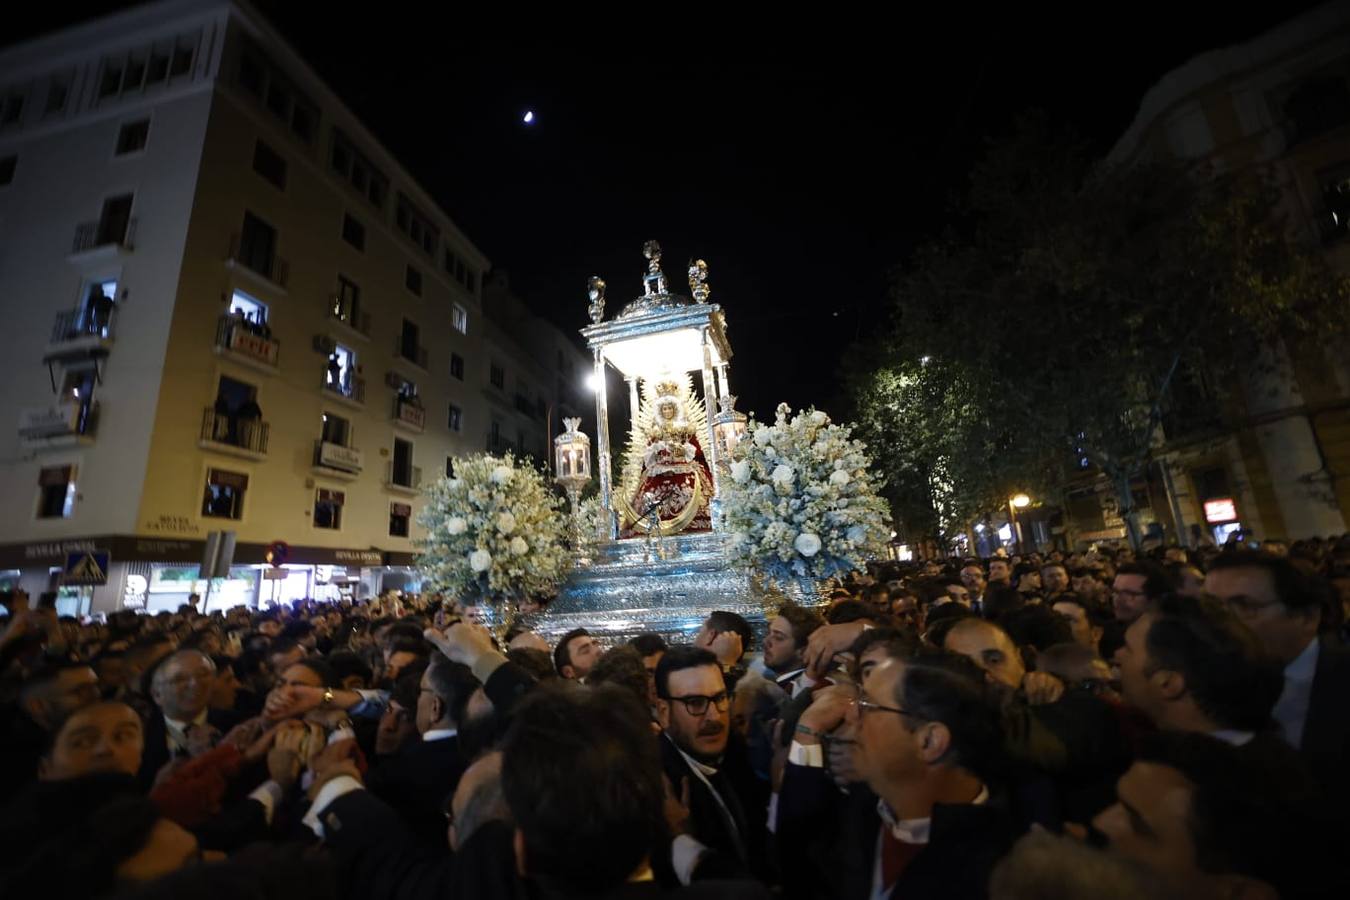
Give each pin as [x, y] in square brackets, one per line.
[90, 567]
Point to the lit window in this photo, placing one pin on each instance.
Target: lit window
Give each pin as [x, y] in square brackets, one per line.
[242, 304]
[224, 496]
[328, 509]
[459, 319]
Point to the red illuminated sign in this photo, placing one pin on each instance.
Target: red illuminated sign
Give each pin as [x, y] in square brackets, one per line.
[1222, 510]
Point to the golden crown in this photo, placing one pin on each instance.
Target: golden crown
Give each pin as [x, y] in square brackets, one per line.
[667, 388]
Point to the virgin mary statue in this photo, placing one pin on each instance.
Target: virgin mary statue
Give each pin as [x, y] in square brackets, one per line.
[667, 483]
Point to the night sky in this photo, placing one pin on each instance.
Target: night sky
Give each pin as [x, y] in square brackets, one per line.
[801, 158]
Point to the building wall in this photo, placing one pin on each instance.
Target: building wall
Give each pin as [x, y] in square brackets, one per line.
[65, 168]
[143, 473]
[1228, 109]
[308, 217]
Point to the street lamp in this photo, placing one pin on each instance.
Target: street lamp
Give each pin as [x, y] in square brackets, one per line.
[728, 427]
[572, 465]
[1016, 502]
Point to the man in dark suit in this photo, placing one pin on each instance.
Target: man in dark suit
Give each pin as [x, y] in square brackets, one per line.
[724, 836]
[378, 856]
[571, 750]
[785, 645]
[925, 730]
[1189, 664]
[181, 722]
[417, 780]
[582, 781]
[1284, 607]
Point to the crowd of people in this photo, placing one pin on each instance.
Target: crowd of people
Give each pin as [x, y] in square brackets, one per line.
[1069, 725]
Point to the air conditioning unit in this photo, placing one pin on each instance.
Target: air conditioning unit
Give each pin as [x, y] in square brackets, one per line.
[324, 344]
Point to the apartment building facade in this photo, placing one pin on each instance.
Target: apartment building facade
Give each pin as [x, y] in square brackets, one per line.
[1278, 104]
[229, 308]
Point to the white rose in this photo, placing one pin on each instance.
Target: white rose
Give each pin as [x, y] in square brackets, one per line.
[819, 418]
[518, 546]
[506, 523]
[501, 475]
[456, 525]
[807, 544]
[839, 477]
[480, 560]
[857, 534]
[740, 471]
[762, 436]
[783, 475]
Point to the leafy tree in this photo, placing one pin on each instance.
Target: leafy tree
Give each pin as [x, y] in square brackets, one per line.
[1077, 308]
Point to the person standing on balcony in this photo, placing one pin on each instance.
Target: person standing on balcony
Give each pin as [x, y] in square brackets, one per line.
[250, 422]
[220, 424]
[101, 308]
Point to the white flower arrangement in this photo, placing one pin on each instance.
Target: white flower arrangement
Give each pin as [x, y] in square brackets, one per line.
[801, 501]
[496, 530]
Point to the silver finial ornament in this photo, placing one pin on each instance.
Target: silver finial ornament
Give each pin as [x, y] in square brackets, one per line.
[698, 281]
[595, 290]
[727, 402]
[654, 282]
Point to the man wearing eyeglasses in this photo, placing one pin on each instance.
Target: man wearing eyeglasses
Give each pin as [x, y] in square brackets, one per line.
[924, 733]
[972, 576]
[182, 722]
[694, 711]
[1285, 608]
[1136, 585]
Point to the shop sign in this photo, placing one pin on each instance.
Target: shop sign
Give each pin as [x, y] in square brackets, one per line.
[360, 557]
[1223, 509]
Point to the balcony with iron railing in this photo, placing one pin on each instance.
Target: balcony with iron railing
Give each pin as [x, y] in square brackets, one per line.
[403, 479]
[84, 331]
[409, 351]
[409, 413]
[247, 342]
[233, 434]
[113, 234]
[268, 266]
[344, 387]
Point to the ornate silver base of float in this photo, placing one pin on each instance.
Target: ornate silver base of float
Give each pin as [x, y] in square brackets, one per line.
[626, 590]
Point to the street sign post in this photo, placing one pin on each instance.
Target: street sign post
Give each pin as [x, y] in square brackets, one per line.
[86, 568]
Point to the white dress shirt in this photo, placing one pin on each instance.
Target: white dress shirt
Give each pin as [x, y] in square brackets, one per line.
[1291, 710]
